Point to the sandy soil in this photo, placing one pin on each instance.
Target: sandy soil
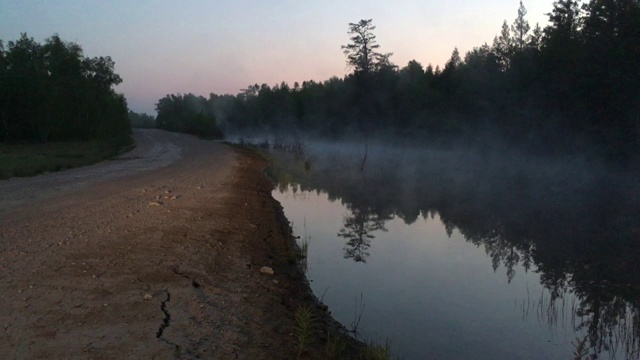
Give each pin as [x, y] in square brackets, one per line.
[156, 254]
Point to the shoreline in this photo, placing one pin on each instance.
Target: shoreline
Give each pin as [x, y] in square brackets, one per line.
[157, 262]
[327, 329]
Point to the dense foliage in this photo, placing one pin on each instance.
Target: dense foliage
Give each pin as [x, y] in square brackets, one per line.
[141, 120]
[51, 92]
[572, 87]
[188, 114]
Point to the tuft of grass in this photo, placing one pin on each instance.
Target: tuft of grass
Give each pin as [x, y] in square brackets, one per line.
[304, 251]
[292, 249]
[27, 159]
[304, 248]
[304, 328]
[336, 346]
[377, 352]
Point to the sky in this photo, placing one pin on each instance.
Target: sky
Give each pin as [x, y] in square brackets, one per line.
[165, 47]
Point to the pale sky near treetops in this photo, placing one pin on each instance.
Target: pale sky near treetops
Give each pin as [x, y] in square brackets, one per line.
[162, 47]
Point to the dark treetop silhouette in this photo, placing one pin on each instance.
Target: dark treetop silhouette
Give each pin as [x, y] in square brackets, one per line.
[570, 88]
[53, 92]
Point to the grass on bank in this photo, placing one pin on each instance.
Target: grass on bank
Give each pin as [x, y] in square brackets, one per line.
[377, 352]
[304, 328]
[26, 159]
[308, 332]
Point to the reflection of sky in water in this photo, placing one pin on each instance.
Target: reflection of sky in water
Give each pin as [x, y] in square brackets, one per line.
[433, 296]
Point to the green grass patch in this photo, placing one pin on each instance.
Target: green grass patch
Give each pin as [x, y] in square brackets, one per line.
[304, 328]
[26, 159]
[377, 352]
[336, 346]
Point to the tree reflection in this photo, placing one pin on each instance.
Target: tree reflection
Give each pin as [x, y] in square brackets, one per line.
[577, 228]
[357, 229]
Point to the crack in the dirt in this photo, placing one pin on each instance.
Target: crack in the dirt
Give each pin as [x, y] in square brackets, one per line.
[198, 288]
[194, 283]
[175, 271]
[167, 316]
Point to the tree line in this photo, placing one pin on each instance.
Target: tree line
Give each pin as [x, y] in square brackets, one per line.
[188, 114]
[570, 87]
[52, 92]
[142, 120]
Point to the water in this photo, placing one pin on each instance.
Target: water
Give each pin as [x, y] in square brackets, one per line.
[458, 255]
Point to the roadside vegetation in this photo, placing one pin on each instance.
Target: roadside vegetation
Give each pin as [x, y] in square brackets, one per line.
[58, 108]
[28, 159]
[52, 92]
[141, 120]
[187, 114]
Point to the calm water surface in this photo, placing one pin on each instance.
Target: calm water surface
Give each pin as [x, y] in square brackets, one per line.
[458, 256]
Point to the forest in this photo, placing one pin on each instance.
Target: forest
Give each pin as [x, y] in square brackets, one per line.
[52, 92]
[572, 87]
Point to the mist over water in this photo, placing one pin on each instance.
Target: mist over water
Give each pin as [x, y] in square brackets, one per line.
[465, 254]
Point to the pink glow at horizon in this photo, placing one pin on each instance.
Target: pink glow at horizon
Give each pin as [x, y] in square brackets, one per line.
[221, 47]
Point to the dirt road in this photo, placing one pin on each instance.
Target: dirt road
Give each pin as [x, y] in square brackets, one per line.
[154, 255]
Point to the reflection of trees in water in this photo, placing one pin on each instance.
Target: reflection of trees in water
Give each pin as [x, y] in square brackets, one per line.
[579, 231]
[595, 262]
[357, 229]
[612, 326]
[610, 311]
[501, 251]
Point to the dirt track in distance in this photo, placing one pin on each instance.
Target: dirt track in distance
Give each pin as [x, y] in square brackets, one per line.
[156, 254]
